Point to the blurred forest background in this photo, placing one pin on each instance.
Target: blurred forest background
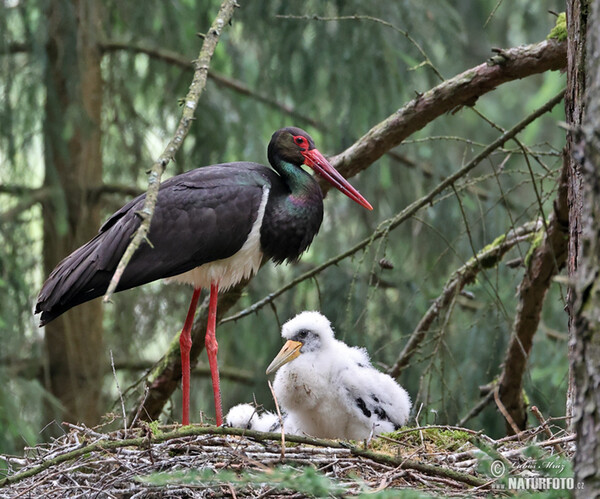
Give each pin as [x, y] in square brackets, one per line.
[309, 64]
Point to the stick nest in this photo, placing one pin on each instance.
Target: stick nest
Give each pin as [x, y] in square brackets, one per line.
[205, 461]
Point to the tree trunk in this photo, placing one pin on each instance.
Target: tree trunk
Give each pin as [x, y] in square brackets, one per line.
[576, 49]
[584, 116]
[73, 164]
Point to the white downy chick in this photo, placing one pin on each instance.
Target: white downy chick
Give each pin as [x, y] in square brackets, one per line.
[330, 390]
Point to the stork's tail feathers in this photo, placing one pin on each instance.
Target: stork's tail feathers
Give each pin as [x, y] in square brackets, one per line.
[76, 279]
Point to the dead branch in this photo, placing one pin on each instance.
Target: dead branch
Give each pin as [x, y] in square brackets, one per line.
[542, 264]
[189, 107]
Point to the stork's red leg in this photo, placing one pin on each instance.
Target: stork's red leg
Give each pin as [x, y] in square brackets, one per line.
[212, 347]
[185, 345]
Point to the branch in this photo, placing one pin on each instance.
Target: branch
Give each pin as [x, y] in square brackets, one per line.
[190, 103]
[15, 48]
[176, 59]
[462, 90]
[543, 262]
[32, 369]
[31, 196]
[488, 257]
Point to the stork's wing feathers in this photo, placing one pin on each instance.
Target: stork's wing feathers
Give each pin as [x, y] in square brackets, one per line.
[184, 233]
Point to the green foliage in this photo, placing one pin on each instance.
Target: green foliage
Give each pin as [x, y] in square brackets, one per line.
[537, 463]
[305, 480]
[155, 428]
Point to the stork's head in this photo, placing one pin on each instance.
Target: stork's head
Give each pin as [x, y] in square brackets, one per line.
[305, 333]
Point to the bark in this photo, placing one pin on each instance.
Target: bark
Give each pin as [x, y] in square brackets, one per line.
[585, 333]
[73, 163]
[574, 106]
[542, 264]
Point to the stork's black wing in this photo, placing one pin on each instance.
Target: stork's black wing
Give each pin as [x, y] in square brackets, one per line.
[201, 216]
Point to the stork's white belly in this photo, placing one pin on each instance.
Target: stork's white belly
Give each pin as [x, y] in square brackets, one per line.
[229, 271]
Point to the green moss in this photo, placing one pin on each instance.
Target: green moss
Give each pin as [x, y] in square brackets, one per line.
[535, 243]
[559, 32]
[490, 260]
[441, 438]
[155, 428]
[526, 400]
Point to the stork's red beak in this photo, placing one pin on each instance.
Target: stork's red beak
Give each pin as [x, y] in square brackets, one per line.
[318, 163]
[288, 352]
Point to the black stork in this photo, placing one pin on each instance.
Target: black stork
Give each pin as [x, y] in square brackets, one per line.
[212, 227]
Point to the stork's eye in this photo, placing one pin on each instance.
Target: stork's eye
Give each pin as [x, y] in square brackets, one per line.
[301, 141]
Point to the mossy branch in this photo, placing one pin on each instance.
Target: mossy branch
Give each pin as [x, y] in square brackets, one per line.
[461, 90]
[488, 257]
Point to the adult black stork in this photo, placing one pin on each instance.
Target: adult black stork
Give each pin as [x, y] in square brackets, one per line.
[212, 226]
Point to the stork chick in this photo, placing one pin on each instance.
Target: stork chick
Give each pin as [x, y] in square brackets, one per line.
[326, 388]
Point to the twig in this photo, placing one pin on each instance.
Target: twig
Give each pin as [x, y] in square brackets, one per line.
[176, 59]
[546, 428]
[280, 420]
[190, 103]
[112, 364]
[357, 17]
[478, 408]
[190, 431]
[504, 412]
[461, 90]
[140, 407]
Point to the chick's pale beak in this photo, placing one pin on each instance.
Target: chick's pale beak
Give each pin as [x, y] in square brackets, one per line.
[288, 352]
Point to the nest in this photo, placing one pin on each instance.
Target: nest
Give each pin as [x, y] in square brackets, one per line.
[206, 461]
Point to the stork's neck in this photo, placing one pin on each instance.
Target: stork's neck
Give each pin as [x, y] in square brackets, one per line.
[301, 184]
[294, 214]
